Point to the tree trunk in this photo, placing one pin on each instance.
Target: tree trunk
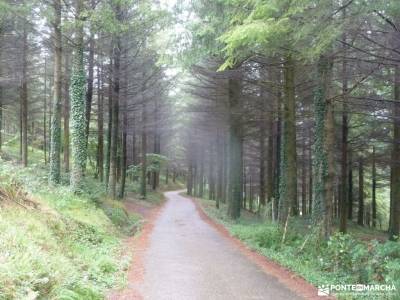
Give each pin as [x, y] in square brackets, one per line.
[211, 179]
[350, 206]
[1, 115]
[134, 151]
[144, 152]
[45, 113]
[174, 175]
[109, 125]
[220, 171]
[324, 143]
[100, 125]
[304, 183]
[225, 182]
[119, 148]
[373, 188]
[89, 92]
[310, 175]
[235, 150]
[360, 216]
[201, 175]
[124, 147]
[190, 179]
[112, 184]
[157, 145]
[55, 135]
[330, 177]
[66, 112]
[394, 224]
[288, 181]
[270, 160]
[50, 107]
[343, 202]
[262, 137]
[277, 155]
[251, 202]
[1, 88]
[78, 145]
[24, 98]
[244, 186]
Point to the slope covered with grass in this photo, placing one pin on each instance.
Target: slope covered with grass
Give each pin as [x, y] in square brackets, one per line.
[55, 244]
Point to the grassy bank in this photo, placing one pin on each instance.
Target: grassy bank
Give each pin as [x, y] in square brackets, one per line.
[344, 259]
[55, 244]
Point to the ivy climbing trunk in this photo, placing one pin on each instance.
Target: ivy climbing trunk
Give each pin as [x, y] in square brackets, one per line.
[66, 108]
[78, 138]
[323, 145]
[288, 174]
[55, 134]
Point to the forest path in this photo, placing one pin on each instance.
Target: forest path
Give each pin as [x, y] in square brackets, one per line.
[187, 258]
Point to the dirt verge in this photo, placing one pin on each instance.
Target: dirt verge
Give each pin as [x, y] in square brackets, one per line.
[138, 244]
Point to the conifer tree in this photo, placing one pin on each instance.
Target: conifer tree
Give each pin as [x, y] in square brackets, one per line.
[55, 143]
[78, 118]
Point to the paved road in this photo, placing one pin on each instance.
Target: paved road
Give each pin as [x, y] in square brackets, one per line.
[188, 259]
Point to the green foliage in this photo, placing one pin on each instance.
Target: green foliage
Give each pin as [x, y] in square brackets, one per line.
[268, 27]
[116, 212]
[372, 262]
[213, 20]
[155, 162]
[266, 236]
[339, 254]
[79, 292]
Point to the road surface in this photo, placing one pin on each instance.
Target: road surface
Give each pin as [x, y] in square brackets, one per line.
[189, 259]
